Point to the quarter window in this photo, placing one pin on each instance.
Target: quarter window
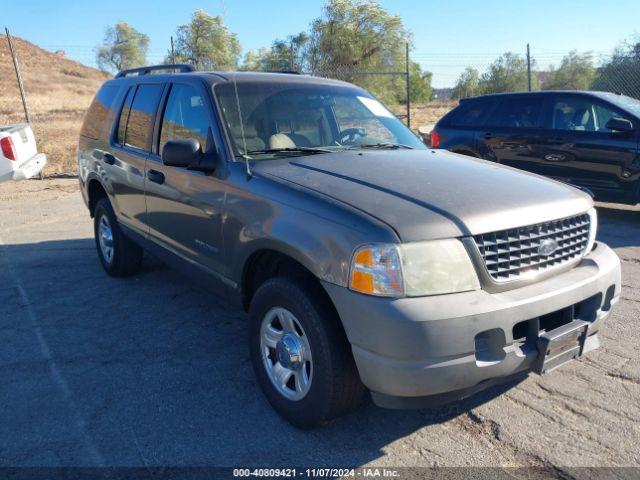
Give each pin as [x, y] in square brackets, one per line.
[469, 113]
[185, 116]
[98, 112]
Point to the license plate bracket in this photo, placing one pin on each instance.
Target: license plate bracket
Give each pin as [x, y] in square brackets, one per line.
[560, 346]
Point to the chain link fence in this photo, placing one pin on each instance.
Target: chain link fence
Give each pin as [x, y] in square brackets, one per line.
[462, 75]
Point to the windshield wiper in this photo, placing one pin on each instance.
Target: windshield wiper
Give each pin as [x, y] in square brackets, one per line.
[290, 149]
[382, 145]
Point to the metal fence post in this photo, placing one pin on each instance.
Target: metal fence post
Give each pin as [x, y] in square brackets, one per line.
[408, 73]
[18, 76]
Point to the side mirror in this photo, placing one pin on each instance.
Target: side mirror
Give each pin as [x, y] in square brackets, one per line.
[181, 153]
[617, 124]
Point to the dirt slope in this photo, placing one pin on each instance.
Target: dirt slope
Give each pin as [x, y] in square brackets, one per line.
[58, 91]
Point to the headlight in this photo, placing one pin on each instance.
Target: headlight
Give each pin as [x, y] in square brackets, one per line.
[413, 269]
[593, 229]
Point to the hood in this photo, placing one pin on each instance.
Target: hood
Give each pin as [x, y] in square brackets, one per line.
[431, 194]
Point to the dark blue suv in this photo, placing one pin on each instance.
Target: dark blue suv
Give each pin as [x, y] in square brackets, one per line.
[589, 139]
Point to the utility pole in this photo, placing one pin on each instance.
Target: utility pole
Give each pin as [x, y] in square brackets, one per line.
[18, 76]
[407, 73]
[173, 55]
[528, 67]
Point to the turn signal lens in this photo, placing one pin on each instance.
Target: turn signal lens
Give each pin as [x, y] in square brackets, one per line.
[377, 270]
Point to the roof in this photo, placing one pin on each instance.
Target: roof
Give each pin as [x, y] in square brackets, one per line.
[240, 77]
[543, 92]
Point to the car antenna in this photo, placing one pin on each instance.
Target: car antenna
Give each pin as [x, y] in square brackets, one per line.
[244, 140]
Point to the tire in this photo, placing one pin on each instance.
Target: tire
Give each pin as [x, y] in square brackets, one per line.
[334, 387]
[126, 256]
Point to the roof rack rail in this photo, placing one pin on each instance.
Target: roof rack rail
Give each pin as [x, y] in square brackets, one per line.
[147, 70]
[288, 72]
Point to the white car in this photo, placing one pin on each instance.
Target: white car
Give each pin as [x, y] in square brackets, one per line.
[19, 157]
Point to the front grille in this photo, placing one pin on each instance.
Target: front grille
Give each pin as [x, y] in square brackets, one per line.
[513, 254]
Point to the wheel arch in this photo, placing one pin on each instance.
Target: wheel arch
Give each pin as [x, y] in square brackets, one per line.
[270, 261]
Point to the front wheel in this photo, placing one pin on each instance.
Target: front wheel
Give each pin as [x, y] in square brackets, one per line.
[300, 355]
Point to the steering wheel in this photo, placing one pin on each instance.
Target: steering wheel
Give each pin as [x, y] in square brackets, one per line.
[349, 135]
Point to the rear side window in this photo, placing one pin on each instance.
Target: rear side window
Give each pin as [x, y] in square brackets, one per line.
[469, 113]
[185, 116]
[98, 112]
[124, 116]
[137, 133]
[517, 112]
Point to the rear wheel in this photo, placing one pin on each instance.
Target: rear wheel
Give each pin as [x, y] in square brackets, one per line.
[300, 355]
[119, 256]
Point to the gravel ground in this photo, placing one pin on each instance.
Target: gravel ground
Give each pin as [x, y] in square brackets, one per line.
[152, 371]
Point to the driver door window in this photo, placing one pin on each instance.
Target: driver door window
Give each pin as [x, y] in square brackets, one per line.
[185, 116]
[581, 115]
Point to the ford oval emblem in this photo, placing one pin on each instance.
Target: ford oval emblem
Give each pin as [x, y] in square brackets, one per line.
[548, 247]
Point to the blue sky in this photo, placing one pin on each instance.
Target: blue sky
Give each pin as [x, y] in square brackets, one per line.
[447, 35]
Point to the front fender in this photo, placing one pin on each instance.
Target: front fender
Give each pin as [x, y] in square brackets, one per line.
[317, 232]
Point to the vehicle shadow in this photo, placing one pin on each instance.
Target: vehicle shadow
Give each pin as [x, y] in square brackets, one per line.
[618, 226]
[152, 371]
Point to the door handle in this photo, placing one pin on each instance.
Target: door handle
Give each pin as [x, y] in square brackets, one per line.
[109, 159]
[155, 176]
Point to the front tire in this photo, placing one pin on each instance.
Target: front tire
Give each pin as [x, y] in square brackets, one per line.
[300, 354]
[119, 256]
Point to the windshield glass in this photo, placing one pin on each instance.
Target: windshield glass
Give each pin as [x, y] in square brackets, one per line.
[267, 119]
[626, 103]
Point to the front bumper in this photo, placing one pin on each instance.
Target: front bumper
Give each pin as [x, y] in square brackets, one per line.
[410, 348]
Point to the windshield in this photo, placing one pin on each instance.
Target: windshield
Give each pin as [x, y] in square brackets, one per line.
[626, 103]
[268, 119]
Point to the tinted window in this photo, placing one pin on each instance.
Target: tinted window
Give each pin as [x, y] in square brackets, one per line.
[98, 112]
[143, 109]
[185, 116]
[624, 102]
[518, 112]
[124, 116]
[469, 113]
[582, 114]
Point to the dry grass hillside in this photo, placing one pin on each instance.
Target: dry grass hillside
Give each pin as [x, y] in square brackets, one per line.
[58, 92]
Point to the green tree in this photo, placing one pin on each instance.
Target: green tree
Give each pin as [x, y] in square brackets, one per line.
[419, 84]
[507, 74]
[123, 47]
[355, 36]
[621, 73]
[467, 85]
[284, 55]
[576, 72]
[206, 43]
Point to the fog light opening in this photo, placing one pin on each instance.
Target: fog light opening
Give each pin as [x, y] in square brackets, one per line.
[490, 346]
